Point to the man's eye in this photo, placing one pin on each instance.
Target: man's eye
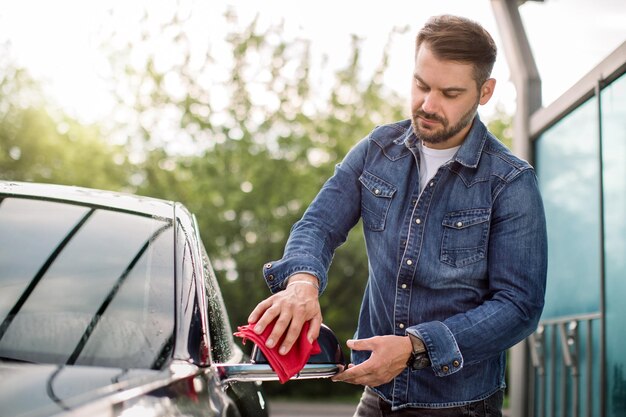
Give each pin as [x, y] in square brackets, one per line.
[451, 95]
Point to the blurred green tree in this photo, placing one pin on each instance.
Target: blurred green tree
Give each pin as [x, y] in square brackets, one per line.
[40, 143]
[249, 165]
[501, 125]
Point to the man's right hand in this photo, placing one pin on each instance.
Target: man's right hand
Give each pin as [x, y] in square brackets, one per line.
[294, 306]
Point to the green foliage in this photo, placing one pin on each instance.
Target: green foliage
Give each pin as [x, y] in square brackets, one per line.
[250, 176]
[43, 145]
[500, 124]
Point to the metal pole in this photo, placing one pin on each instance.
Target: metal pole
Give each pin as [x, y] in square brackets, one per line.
[603, 393]
[589, 371]
[524, 73]
[565, 364]
[553, 361]
[525, 76]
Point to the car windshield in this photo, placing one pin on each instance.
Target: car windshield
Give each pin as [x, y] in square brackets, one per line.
[84, 285]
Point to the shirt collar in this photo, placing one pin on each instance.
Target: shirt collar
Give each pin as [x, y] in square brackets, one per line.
[471, 148]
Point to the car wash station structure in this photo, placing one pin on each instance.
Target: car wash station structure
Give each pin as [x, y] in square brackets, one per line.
[575, 363]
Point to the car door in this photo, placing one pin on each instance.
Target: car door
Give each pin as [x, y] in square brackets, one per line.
[248, 396]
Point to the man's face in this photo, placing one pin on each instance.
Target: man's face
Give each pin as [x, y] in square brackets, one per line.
[444, 99]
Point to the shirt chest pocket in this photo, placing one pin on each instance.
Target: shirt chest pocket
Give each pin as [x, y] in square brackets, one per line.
[376, 196]
[465, 236]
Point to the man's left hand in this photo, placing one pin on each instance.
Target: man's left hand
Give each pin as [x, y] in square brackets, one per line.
[389, 357]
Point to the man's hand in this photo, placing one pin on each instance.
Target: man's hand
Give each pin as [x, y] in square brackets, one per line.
[389, 357]
[294, 306]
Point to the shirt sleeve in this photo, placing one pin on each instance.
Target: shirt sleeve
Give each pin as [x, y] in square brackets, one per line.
[517, 278]
[443, 351]
[324, 226]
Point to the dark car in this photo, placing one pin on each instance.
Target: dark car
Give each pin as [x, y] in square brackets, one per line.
[109, 306]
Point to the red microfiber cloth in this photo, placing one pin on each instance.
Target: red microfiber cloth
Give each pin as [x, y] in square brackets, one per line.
[287, 365]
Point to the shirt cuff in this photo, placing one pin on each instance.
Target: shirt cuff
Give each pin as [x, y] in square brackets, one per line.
[443, 351]
[276, 273]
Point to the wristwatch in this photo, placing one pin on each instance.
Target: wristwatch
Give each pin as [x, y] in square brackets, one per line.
[419, 358]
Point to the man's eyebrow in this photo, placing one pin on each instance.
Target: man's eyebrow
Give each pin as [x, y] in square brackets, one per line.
[418, 78]
[454, 90]
[445, 90]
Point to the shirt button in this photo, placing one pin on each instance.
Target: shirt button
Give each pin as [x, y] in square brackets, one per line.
[418, 221]
[409, 262]
[432, 183]
[403, 286]
[445, 368]
[401, 325]
[459, 224]
[414, 202]
[268, 266]
[456, 364]
[270, 278]
[376, 191]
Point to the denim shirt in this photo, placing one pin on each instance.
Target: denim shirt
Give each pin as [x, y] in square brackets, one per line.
[461, 265]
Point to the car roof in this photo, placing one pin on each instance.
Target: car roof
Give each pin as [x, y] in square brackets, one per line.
[88, 196]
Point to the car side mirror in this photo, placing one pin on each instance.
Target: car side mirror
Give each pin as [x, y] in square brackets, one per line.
[325, 364]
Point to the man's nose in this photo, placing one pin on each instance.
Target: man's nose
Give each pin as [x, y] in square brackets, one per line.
[430, 104]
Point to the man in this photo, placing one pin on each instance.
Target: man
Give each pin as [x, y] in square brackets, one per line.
[456, 242]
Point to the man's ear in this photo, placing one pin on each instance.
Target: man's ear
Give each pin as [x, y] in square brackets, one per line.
[486, 90]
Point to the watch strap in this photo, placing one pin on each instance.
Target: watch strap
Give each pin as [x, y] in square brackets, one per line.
[417, 343]
[419, 358]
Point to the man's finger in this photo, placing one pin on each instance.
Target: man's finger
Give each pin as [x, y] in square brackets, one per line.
[268, 317]
[352, 373]
[360, 344]
[314, 328]
[259, 310]
[295, 327]
[279, 329]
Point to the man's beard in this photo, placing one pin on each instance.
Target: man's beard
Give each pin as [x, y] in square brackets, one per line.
[446, 132]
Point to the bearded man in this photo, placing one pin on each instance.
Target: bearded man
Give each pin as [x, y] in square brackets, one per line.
[456, 242]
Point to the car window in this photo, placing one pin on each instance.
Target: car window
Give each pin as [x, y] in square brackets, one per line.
[84, 285]
[221, 335]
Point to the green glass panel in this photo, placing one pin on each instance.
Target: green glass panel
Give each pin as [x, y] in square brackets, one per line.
[614, 178]
[567, 167]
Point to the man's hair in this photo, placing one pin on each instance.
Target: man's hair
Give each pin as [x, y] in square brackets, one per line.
[455, 38]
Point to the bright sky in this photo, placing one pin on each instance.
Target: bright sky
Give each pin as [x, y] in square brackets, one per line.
[58, 40]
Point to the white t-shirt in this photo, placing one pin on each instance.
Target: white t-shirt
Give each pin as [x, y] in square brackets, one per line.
[431, 160]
